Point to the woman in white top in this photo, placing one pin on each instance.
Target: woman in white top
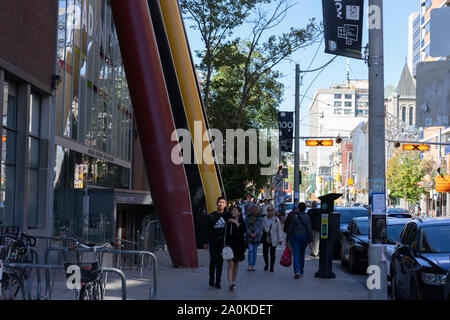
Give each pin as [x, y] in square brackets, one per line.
[272, 236]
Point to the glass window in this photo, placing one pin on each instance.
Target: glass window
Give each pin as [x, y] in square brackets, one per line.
[347, 111]
[394, 231]
[9, 104]
[362, 228]
[366, 111]
[348, 103]
[411, 109]
[404, 114]
[337, 103]
[35, 115]
[435, 239]
[32, 216]
[34, 152]
[348, 215]
[348, 96]
[337, 111]
[338, 96]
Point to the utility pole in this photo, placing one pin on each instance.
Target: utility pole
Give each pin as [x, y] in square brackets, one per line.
[297, 135]
[377, 169]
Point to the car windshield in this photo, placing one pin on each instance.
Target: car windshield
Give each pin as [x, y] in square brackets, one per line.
[435, 239]
[394, 231]
[362, 228]
[348, 215]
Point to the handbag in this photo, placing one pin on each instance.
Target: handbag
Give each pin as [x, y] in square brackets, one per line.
[286, 258]
[227, 252]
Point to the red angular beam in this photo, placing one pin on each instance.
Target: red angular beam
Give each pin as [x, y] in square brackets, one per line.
[168, 182]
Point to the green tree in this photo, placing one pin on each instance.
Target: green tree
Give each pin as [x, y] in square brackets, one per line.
[405, 171]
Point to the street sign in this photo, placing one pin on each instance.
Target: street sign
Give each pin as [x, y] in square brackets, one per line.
[416, 147]
[286, 127]
[343, 27]
[319, 143]
[442, 183]
[433, 85]
[278, 182]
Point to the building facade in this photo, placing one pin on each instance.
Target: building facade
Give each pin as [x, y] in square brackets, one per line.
[95, 138]
[27, 83]
[334, 112]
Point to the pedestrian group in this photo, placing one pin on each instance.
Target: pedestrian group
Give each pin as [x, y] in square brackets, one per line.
[234, 229]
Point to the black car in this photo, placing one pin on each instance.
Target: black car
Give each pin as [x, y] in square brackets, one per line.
[346, 216]
[398, 213]
[355, 244]
[355, 241]
[420, 263]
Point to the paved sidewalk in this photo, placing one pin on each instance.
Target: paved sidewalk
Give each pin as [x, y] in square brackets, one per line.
[192, 284]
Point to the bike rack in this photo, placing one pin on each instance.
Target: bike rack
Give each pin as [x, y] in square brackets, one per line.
[58, 267]
[152, 291]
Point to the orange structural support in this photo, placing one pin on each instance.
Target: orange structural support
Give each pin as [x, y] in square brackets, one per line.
[155, 123]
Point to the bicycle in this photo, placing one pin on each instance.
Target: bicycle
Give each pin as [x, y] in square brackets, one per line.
[92, 280]
[15, 248]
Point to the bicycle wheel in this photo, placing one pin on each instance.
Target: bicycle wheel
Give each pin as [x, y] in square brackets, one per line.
[12, 288]
[85, 293]
[97, 291]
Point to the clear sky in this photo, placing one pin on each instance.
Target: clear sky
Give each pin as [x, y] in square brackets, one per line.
[396, 13]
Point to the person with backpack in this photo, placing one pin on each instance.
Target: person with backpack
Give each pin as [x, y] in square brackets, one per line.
[216, 231]
[299, 234]
[272, 236]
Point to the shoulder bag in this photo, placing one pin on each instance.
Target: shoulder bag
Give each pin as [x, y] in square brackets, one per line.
[227, 252]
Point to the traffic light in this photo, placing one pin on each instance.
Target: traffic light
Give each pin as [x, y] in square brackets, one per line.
[397, 144]
[416, 147]
[319, 143]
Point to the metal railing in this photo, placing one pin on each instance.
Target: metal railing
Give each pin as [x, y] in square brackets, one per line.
[48, 267]
[142, 254]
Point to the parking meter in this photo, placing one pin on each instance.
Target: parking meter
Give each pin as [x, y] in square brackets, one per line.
[329, 233]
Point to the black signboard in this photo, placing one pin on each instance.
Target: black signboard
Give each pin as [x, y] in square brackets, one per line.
[343, 27]
[286, 126]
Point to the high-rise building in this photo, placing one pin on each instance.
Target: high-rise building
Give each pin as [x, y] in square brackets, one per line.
[419, 33]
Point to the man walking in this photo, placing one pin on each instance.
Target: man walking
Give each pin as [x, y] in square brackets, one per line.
[314, 215]
[216, 232]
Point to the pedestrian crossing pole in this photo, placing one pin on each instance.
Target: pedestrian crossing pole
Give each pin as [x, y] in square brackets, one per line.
[377, 168]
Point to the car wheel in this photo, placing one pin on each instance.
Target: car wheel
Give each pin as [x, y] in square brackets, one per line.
[352, 261]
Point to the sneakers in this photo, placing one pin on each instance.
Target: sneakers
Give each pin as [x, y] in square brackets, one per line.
[271, 269]
[232, 286]
[217, 286]
[297, 276]
[266, 268]
[211, 282]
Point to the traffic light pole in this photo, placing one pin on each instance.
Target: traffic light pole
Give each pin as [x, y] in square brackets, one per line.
[297, 136]
[377, 167]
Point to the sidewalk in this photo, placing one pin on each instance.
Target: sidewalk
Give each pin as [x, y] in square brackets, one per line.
[192, 284]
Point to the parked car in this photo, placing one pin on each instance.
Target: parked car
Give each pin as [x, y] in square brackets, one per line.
[355, 244]
[398, 213]
[420, 263]
[346, 216]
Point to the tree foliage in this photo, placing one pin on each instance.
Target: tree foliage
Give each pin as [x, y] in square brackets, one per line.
[405, 171]
[241, 87]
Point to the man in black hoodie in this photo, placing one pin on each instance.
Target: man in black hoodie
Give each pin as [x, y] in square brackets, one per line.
[216, 232]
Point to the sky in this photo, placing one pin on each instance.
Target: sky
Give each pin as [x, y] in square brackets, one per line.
[396, 13]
